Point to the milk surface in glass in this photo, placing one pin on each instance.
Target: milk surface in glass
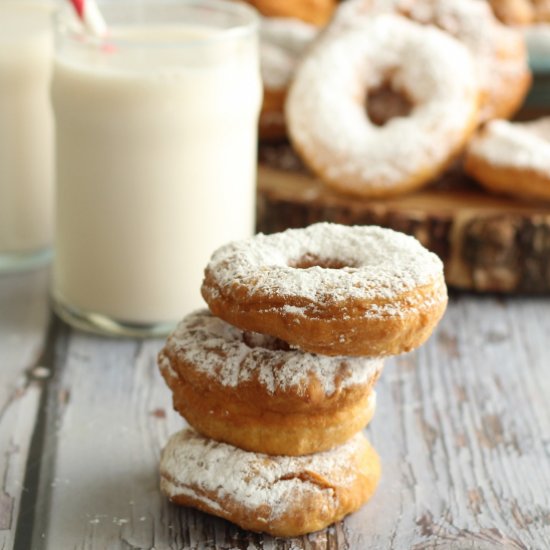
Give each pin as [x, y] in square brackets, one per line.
[156, 141]
[26, 134]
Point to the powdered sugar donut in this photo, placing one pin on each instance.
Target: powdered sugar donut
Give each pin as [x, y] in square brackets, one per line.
[326, 116]
[512, 158]
[252, 391]
[283, 42]
[282, 496]
[330, 289]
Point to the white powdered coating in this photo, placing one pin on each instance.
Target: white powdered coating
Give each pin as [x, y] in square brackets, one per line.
[230, 357]
[471, 21]
[383, 264]
[283, 42]
[519, 145]
[326, 112]
[498, 51]
[253, 480]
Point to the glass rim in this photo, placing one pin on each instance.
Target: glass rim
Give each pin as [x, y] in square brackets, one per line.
[247, 23]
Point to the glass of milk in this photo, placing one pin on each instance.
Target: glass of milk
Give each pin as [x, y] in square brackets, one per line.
[156, 158]
[26, 134]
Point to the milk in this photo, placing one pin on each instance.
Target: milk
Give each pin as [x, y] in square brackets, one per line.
[156, 168]
[26, 132]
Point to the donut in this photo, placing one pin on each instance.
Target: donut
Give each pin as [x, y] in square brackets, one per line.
[282, 496]
[500, 53]
[330, 289]
[283, 41]
[317, 12]
[512, 158]
[521, 12]
[328, 123]
[513, 12]
[542, 10]
[252, 391]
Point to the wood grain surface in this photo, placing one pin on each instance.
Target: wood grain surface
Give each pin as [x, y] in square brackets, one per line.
[23, 328]
[462, 427]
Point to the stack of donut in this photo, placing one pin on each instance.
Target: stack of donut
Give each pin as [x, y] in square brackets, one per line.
[456, 68]
[276, 378]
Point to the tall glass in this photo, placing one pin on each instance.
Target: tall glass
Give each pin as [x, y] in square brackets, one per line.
[26, 134]
[156, 158]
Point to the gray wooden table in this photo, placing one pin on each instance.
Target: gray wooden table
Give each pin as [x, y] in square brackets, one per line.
[462, 426]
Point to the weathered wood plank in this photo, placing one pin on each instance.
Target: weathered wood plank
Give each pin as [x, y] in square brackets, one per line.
[114, 417]
[463, 429]
[23, 326]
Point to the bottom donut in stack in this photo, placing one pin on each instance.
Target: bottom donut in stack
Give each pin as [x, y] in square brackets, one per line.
[280, 495]
[277, 446]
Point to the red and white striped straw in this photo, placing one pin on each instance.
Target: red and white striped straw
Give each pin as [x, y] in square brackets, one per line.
[91, 17]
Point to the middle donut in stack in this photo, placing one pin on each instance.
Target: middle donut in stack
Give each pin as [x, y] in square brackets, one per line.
[252, 391]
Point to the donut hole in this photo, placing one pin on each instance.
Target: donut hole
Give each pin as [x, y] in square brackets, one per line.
[385, 102]
[258, 340]
[309, 260]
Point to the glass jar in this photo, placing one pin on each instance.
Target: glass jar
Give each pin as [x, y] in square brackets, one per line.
[156, 133]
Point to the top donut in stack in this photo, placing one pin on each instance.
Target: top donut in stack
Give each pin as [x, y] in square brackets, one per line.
[330, 289]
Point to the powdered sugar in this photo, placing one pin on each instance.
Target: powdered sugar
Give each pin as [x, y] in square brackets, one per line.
[283, 42]
[192, 465]
[471, 21]
[499, 52]
[231, 357]
[326, 112]
[381, 264]
[518, 145]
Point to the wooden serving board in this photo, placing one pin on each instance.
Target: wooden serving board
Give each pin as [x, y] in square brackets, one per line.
[488, 243]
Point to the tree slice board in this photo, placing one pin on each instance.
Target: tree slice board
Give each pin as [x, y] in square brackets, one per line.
[488, 243]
